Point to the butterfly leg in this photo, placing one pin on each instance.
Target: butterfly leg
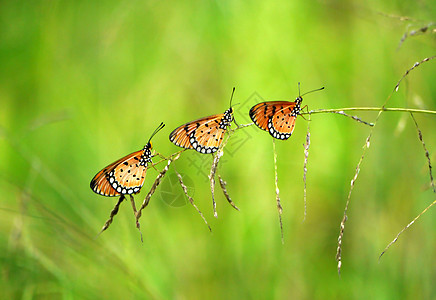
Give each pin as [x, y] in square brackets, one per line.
[156, 154]
[154, 167]
[234, 120]
[307, 111]
[132, 200]
[113, 213]
[161, 156]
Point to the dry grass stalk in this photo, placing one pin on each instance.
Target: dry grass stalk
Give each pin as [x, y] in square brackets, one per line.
[426, 153]
[407, 226]
[132, 200]
[185, 190]
[226, 194]
[113, 214]
[216, 159]
[156, 183]
[413, 67]
[214, 166]
[401, 18]
[365, 147]
[306, 155]
[345, 217]
[353, 117]
[279, 206]
[432, 184]
[422, 30]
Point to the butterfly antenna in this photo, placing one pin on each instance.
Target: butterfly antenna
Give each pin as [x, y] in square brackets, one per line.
[162, 125]
[231, 97]
[299, 93]
[310, 91]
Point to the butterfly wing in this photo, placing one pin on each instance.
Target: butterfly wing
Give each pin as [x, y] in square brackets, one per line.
[205, 135]
[276, 117]
[125, 176]
[181, 135]
[282, 123]
[101, 185]
[262, 112]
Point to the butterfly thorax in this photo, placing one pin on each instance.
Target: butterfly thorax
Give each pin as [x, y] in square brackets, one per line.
[297, 108]
[227, 118]
[146, 155]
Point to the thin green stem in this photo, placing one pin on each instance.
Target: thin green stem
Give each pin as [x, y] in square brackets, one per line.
[411, 110]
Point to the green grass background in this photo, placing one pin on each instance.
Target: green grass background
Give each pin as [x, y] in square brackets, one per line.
[83, 83]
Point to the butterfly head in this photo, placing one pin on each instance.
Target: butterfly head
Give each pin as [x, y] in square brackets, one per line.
[148, 147]
[298, 101]
[228, 114]
[146, 155]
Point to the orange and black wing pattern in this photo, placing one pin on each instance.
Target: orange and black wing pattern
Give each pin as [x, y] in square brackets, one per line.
[205, 135]
[276, 117]
[125, 176]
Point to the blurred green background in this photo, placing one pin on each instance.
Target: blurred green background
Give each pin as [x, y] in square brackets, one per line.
[84, 83]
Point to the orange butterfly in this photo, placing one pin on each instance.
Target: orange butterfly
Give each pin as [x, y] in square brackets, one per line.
[278, 117]
[205, 135]
[126, 175]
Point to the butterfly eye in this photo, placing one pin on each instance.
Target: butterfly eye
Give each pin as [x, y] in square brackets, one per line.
[149, 145]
